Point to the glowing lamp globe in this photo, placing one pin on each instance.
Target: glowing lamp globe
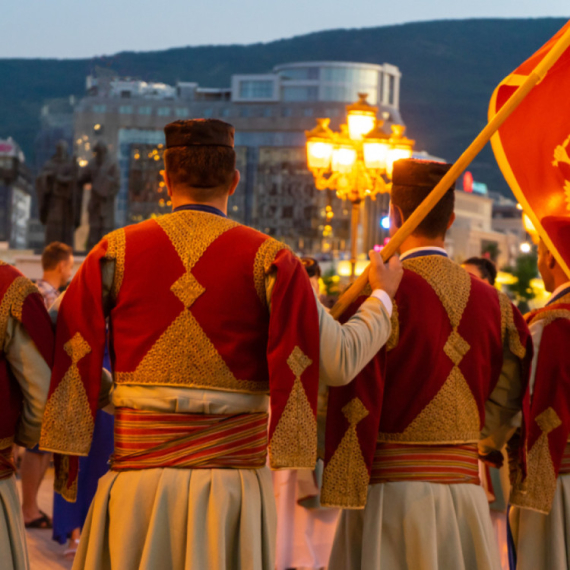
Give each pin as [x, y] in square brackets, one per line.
[361, 118]
[319, 154]
[343, 159]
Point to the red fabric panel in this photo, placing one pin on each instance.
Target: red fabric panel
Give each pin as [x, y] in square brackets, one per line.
[37, 323]
[552, 385]
[293, 322]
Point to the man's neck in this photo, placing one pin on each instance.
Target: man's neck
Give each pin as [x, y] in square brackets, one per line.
[221, 203]
[52, 279]
[413, 242]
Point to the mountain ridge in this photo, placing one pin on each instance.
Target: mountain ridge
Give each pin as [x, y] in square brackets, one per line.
[449, 70]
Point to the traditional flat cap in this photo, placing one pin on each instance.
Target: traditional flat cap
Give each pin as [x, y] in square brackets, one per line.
[419, 173]
[199, 132]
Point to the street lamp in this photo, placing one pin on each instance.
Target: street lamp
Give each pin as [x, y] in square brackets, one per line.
[357, 161]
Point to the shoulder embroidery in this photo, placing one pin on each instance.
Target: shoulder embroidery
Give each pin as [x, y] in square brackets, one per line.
[13, 302]
[395, 322]
[551, 316]
[509, 330]
[538, 489]
[116, 251]
[263, 260]
[346, 478]
[294, 441]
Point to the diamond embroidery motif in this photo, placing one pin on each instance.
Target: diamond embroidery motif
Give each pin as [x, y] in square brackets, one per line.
[77, 348]
[456, 347]
[355, 411]
[298, 362]
[548, 420]
[187, 289]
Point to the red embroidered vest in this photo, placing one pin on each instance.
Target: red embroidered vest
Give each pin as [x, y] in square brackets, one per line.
[430, 383]
[188, 308]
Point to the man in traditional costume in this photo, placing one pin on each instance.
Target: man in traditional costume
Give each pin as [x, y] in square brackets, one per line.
[26, 339]
[210, 323]
[402, 438]
[540, 522]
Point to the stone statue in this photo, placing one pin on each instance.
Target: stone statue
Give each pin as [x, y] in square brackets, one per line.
[103, 174]
[59, 196]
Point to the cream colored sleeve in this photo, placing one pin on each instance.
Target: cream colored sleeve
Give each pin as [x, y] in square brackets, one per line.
[503, 408]
[33, 375]
[346, 349]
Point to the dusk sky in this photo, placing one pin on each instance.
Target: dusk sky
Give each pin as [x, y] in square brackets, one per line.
[85, 28]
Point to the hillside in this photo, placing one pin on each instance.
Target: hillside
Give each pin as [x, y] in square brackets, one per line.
[449, 68]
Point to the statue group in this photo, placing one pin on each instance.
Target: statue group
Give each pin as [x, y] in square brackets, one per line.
[60, 194]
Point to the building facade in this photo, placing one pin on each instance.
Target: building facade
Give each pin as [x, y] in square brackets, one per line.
[270, 112]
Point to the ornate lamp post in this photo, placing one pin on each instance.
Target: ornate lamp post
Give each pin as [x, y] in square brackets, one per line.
[357, 161]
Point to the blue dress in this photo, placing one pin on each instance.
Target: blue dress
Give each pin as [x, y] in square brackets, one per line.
[69, 516]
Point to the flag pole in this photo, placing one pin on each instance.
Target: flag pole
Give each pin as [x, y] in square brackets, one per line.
[409, 226]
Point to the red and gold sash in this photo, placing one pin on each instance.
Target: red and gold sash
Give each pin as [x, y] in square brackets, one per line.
[148, 440]
[447, 464]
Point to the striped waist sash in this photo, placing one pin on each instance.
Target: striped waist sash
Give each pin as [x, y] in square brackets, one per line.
[7, 465]
[448, 464]
[565, 465]
[146, 440]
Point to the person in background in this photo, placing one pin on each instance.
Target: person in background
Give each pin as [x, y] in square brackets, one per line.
[481, 267]
[313, 270]
[57, 265]
[539, 517]
[26, 353]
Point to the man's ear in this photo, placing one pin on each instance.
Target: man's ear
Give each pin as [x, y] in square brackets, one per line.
[167, 182]
[551, 261]
[396, 216]
[451, 220]
[235, 182]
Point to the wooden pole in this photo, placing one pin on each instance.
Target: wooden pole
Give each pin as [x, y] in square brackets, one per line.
[355, 218]
[455, 171]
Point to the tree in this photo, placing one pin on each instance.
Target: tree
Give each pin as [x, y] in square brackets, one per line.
[525, 270]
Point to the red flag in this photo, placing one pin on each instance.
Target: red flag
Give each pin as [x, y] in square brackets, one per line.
[532, 146]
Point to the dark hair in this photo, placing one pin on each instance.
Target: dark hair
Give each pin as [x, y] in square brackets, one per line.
[485, 266]
[312, 266]
[54, 253]
[203, 172]
[408, 198]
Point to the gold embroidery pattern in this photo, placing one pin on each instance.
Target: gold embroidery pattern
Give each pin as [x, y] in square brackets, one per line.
[6, 442]
[68, 423]
[184, 355]
[508, 328]
[395, 322]
[551, 316]
[294, 441]
[264, 258]
[537, 491]
[60, 483]
[117, 244]
[13, 302]
[346, 478]
[452, 416]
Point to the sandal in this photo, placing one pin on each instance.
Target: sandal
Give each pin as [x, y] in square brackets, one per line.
[43, 522]
[72, 549]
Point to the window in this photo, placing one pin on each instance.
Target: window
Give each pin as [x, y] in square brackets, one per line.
[181, 112]
[300, 93]
[288, 211]
[348, 93]
[331, 112]
[268, 112]
[126, 109]
[126, 94]
[261, 89]
[286, 112]
[351, 75]
[163, 112]
[145, 110]
[245, 112]
[300, 73]
[225, 112]
[308, 112]
[99, 108]
[207, 113]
